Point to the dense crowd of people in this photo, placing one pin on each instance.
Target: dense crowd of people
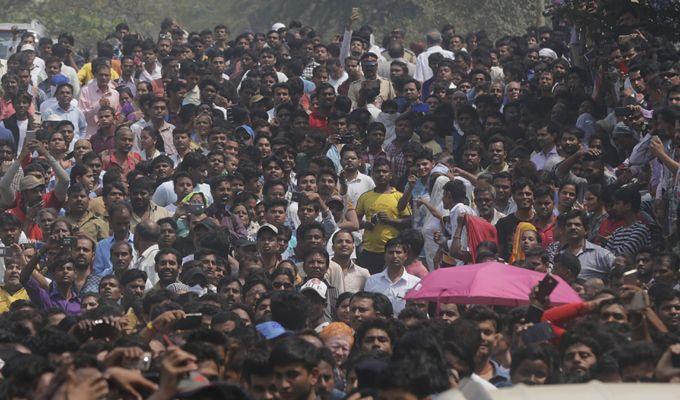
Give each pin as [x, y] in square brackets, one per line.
[196, 215]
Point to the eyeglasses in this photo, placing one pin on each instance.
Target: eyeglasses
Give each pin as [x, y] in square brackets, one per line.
[282, 285]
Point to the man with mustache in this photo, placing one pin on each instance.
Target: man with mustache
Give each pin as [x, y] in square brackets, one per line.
[82, 254]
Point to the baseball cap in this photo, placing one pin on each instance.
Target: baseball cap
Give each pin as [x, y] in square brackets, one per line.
[29, 182]
[268, 227]
[271, 330]
[316, 285]
[58, 79]
[622, 129]
[28, 47]
[277, 26]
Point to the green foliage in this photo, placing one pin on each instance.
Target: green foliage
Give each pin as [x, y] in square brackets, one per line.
[91, 20]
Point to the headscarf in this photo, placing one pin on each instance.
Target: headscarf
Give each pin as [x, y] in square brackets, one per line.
[517, 252]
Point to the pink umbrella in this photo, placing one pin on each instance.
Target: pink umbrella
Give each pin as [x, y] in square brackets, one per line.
[489, 283]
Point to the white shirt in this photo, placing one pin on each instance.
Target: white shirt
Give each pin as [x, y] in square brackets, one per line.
[165, 193]
[146, 263]
[337, 82]
[358, 186]
[457, 210]
[395, 291]
[423, 70]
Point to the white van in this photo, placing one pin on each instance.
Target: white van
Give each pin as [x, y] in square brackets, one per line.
[35, 27]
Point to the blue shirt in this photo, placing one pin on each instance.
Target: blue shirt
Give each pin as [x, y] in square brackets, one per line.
[74, 115]
[102, 257]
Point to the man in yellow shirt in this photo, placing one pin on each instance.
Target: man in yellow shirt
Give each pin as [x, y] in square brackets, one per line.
[11, 290]
[383, 218]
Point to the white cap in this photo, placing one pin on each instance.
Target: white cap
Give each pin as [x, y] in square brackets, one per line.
[317, 285]
[546, 52]
[278, 26]
[269, 227]
[27, 46]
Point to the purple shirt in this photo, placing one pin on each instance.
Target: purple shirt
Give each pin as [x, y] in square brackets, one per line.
[46, 300]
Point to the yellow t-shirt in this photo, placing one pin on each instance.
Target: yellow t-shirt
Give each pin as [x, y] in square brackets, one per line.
[6, 299]
[371, 203]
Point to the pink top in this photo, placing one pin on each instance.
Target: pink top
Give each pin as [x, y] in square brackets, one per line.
[418, 269]
[88, 103]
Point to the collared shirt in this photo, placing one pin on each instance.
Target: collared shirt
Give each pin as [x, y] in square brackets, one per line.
[397, 158]
[102, 257]
[130, 84]
[101, 142]
[540, 159]
[395, 291]
[154, 214]
[358, 186]
[6, 299]
[354, 277]
[165, 193]
[91, 285]
[488, 170]
[46, 300]
[596, 262]
[92, 225]
[423, 70]
[109, 159]
[228, 220]
[501, 375]
[165, 131]
[386, 91]
[73, 114]
[146, 262]
[89, 103]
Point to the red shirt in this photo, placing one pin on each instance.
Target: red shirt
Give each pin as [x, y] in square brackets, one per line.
[34, 231]
[109, 159]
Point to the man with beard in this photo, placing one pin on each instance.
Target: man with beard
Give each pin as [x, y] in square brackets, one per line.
[143, 209]
[83, 254]
[579, 355]
[168, 265]
[497, 155]
[484, 199]
[523, 195]
[470, 162]
[596, 262]
[79, 215]
[220, 188]
[145, 243]
[489, 326]
[546, 135]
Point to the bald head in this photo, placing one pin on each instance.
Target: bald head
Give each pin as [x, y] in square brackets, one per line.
[147, 234]
[433, 37]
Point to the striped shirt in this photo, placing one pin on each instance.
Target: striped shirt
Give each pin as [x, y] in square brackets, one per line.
[629, 240]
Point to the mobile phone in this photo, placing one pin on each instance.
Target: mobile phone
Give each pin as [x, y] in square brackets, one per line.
[296, 196]
[346, 139]
[101, 329]
[195, 209]
[37, 118]
[30, 135]
[190, 321]
[545, 287]
[144, 363]
[375, 220]
[68, 242]
[623, 112]
[675, 360]
[6, 252]
[640, 301]
[534, 314]
[541, 332]
[630, 277]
